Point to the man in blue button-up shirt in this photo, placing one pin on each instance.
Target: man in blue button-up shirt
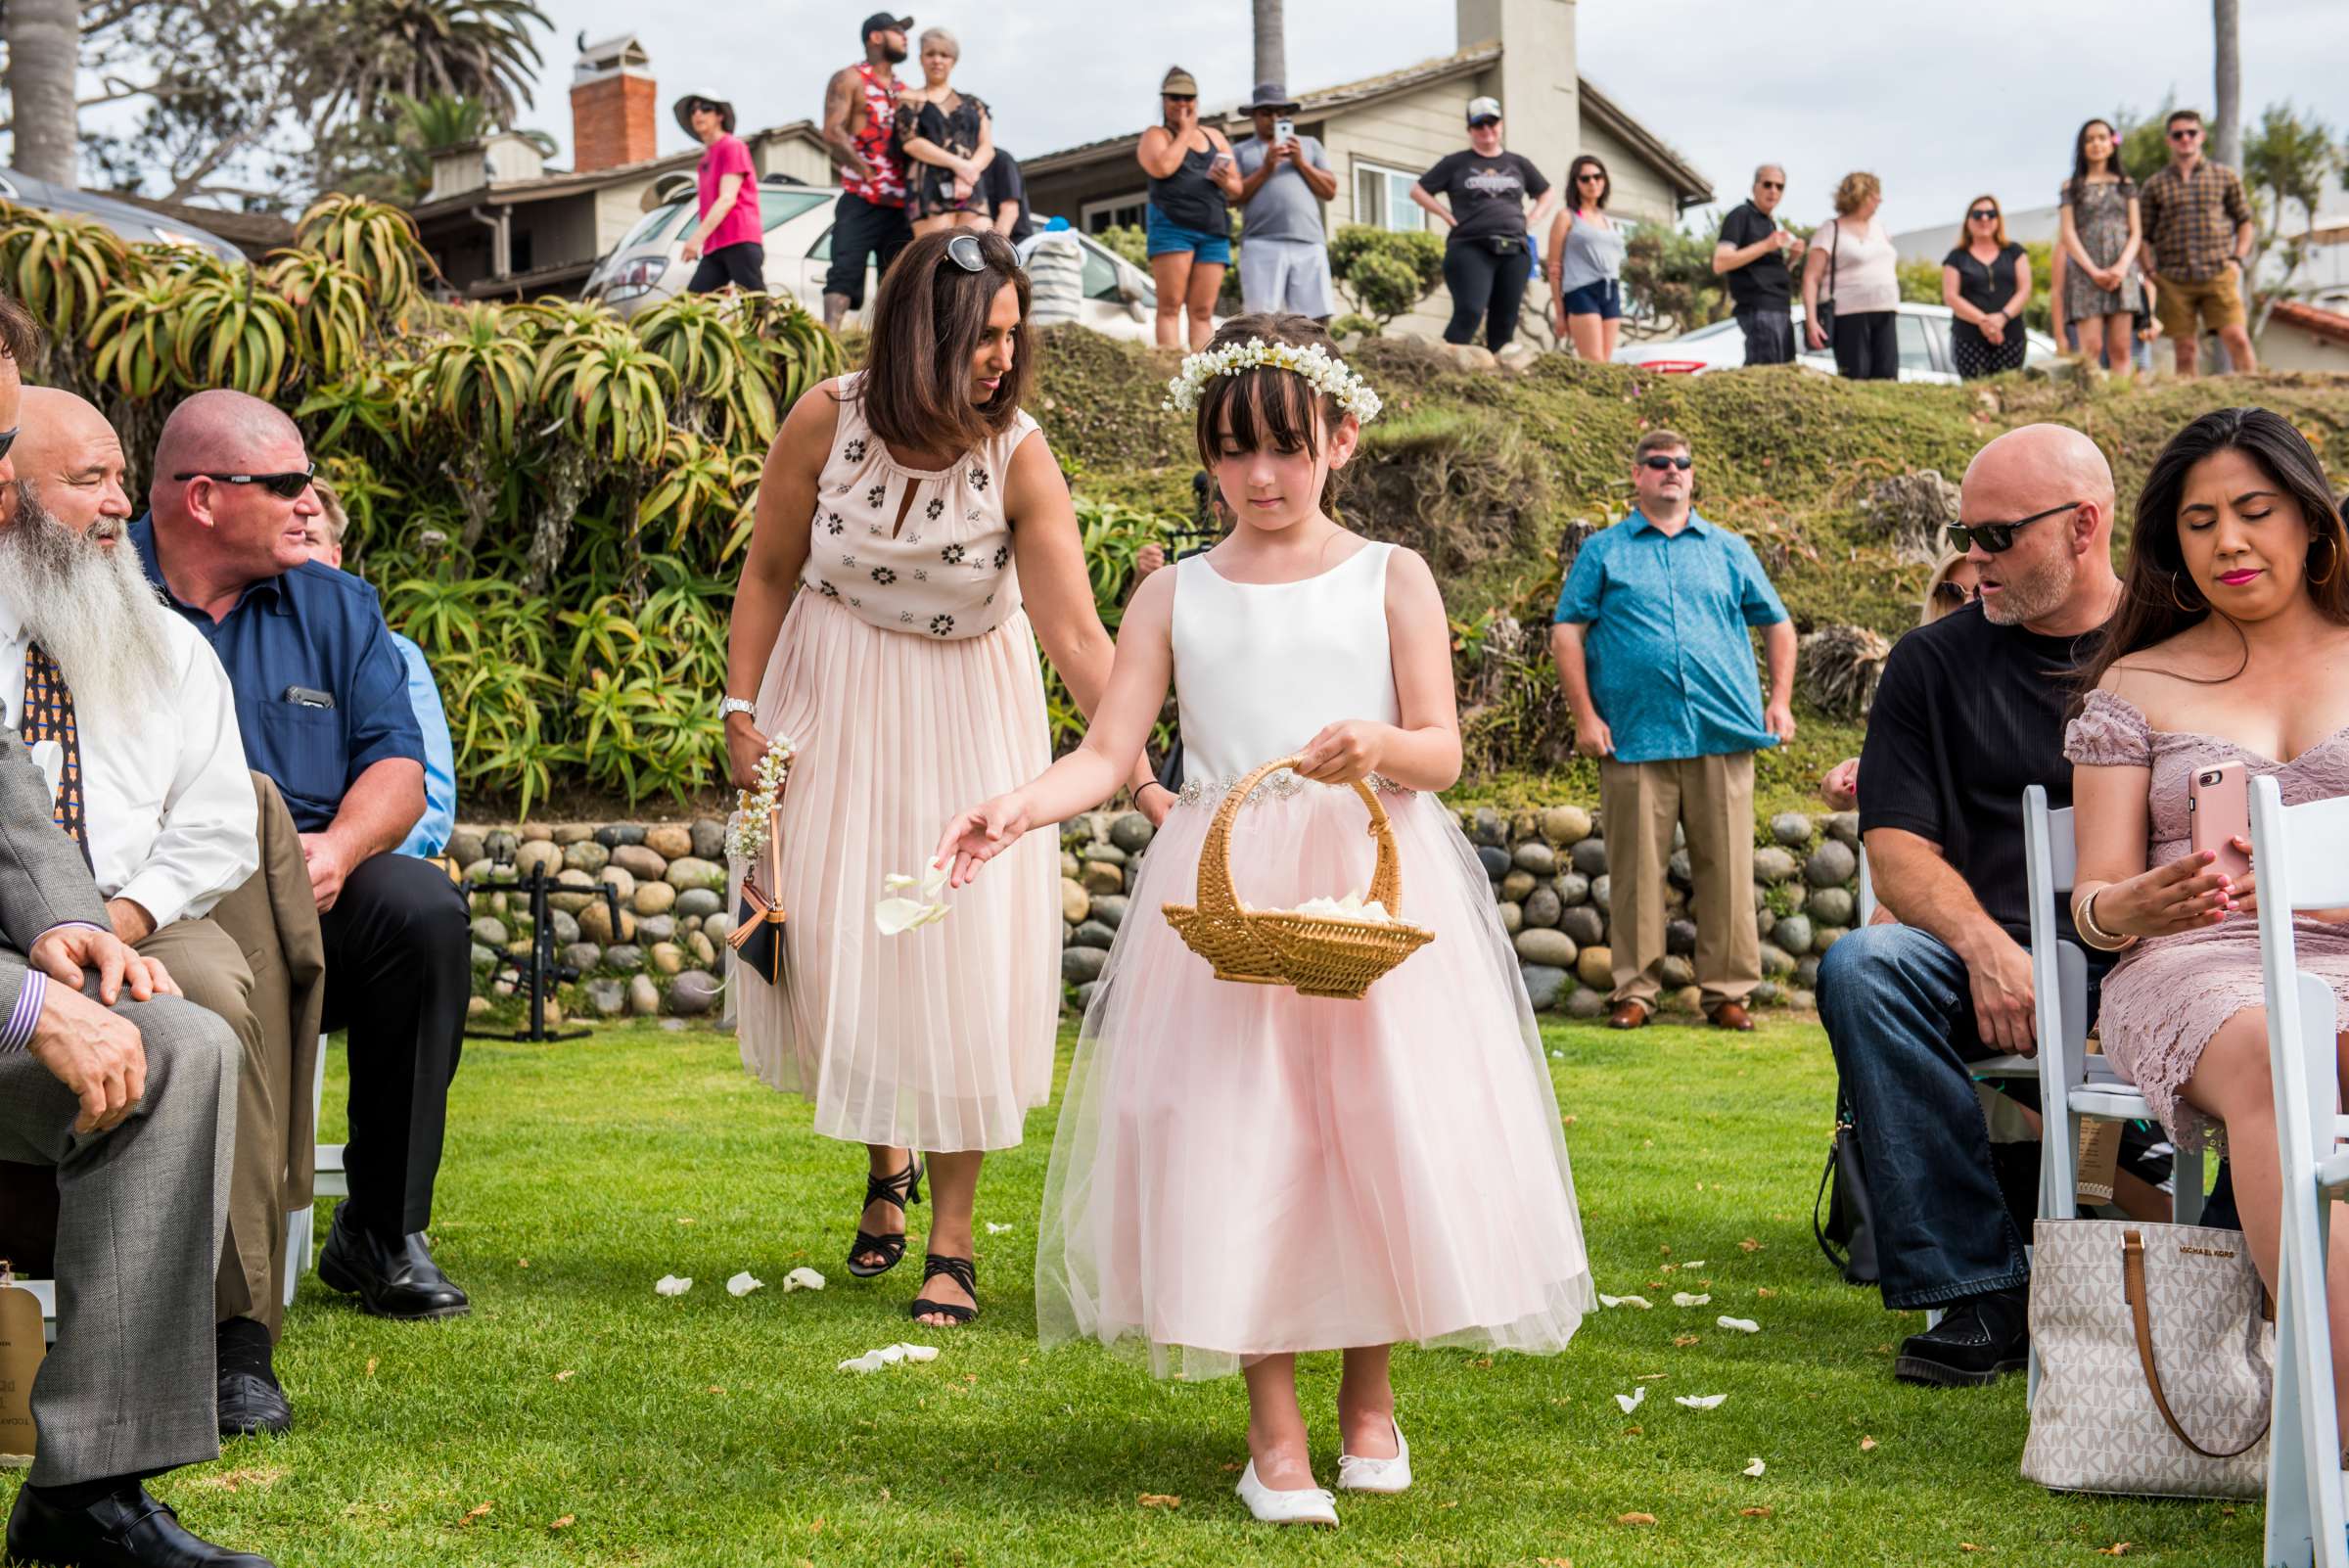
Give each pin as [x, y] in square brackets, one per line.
[1657, 665]
[322, 699]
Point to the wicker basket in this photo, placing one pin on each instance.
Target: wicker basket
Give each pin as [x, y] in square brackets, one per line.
[1319, 955]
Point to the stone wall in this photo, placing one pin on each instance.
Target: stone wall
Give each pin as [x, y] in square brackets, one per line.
[1548, 870]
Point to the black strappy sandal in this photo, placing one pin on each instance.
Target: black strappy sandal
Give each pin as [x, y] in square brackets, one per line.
[902, 1191]
[959, 1269]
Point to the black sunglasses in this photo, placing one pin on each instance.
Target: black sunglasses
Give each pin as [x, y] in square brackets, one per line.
[8, 439]
[1996, 538]
[1954, 593]
[965, 252]
[1589, 174]
[285, 487]
[1983, 214]
[2186, 133]
[1660, 463]
[1769, 185]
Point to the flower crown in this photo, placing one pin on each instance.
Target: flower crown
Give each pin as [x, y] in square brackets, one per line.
[1325, 371]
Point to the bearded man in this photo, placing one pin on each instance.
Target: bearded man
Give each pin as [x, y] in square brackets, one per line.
[1971, 712]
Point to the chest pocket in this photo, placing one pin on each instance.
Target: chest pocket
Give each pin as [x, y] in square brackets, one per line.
[303, 748]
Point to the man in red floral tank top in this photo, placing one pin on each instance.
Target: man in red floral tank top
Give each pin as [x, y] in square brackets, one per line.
[860, 114]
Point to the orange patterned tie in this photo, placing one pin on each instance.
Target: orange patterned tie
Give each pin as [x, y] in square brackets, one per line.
[49, 716]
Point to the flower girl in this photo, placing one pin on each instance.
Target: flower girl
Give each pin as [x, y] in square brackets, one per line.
[1244, 1173]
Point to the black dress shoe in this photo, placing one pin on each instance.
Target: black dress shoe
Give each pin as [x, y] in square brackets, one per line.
[252, 1405]
[126, 1529]
[391, 1279]
[1978, 1340]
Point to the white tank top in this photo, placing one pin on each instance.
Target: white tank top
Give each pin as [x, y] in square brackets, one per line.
[1262, 668]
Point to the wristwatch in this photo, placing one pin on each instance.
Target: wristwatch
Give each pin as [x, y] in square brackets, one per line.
[735, 705]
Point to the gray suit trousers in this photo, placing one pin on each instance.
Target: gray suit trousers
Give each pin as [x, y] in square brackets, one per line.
[130, 1388]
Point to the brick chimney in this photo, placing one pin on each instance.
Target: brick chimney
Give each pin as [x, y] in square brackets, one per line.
[614, 112]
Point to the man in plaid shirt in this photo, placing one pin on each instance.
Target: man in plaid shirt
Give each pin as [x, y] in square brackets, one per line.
[2198, 226]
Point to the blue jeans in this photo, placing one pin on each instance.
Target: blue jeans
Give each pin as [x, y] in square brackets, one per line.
[1900, 1018]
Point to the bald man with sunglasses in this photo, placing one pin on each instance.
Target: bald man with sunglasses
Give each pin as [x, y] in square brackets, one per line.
[322, 704]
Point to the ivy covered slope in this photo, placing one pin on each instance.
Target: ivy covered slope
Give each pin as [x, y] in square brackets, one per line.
[1486, 471]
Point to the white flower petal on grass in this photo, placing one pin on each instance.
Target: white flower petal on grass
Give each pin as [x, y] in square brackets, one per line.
[1744, 1325]
[891, 1355]
[744, 1283]
[1640, 1302]
[1681, 1298]
[802, 1280]
[671, 1285]
[1693, 1263]
[919, 1353]
[870, 1361]
[995, 1229]
[1631, 1401]
[873, 1360]
[1698, 1401]
[1755, 1468]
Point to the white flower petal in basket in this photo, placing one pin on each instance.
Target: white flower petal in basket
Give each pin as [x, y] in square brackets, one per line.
[1631, 1401]
[1744, 1325]
[1640, 1302]
[671, 1285]
[744, 1283]
[1681, 1298]
[1698, 1401]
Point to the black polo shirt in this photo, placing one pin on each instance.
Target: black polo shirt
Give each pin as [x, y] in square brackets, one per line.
[1763, 283]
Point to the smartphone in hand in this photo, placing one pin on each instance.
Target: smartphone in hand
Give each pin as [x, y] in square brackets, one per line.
[2218, 808]
[1284, 130]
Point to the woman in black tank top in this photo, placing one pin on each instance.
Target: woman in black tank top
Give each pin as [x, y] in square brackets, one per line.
[1193, 179]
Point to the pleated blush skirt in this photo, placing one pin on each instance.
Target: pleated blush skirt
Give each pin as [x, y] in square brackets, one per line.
[940, 1040]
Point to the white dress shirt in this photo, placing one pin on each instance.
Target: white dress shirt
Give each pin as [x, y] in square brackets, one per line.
[173, 822]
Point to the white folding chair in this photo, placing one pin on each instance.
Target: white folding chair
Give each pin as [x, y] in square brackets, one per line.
[1865, 913]
[2302, 852]
[329, 1182]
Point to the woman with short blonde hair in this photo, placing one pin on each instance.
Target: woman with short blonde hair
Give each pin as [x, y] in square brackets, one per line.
[946, 139]
[1851, 287]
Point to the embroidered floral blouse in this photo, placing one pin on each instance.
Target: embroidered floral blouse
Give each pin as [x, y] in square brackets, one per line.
[946, 570]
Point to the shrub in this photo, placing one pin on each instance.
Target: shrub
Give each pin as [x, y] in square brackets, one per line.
[1388, 273]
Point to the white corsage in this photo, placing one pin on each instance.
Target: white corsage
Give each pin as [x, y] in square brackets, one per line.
[897, 913]
[753, 808]
[1324, 370]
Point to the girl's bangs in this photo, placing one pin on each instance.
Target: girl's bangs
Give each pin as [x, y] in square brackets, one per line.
[1259, 407]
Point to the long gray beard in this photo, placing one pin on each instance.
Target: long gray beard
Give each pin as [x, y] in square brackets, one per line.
[92, 610]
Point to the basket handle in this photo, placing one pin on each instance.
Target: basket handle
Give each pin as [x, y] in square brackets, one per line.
[1217, 896]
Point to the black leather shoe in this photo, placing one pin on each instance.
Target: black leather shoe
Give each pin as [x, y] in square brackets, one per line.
[127, 1529]
[253, 1406]
[1978, 1340]
[397, 1281]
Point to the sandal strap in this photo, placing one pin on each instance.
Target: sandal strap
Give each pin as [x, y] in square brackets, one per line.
[959, 1269]
[900, 1190]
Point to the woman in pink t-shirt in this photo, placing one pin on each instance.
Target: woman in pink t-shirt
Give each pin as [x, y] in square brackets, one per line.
[730, 242]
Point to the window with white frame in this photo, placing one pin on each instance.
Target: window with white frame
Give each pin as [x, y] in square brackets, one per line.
[1382, 198]
[1116, 212]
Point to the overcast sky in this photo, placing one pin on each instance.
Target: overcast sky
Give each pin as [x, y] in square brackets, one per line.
[1942, 101]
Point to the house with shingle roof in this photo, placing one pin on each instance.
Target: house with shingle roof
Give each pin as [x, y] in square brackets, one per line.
[1383, 132]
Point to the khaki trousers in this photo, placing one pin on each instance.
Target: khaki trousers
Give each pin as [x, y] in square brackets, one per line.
[1711, 799]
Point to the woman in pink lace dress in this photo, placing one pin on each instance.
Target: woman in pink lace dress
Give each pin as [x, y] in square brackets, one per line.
[2232, 643]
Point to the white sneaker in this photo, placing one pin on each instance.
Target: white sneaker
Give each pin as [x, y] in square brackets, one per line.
[1309, 1505]
[1358, 1474]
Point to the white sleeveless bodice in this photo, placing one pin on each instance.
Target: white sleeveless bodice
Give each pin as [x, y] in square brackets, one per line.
[1261, 668]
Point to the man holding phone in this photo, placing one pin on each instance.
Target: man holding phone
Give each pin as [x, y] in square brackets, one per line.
[1284, 178]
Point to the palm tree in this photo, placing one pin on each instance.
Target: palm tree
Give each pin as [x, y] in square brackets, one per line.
[422, 49]
[44, 49]
[1271, 43]
[2226, 113]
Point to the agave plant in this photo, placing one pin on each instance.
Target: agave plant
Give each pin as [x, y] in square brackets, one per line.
[700, 481]
[60, 268]
[478, 380]
[376, 241]
[227, 332]
[607, 391]
[802, 350]
[718, 364]
[330, 311]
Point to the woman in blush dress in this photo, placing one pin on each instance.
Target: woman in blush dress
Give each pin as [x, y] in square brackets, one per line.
[2231, 644]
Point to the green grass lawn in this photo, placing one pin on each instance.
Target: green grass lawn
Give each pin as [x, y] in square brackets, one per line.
[576, 1418]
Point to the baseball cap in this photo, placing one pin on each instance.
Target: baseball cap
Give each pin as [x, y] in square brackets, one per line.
[1481, 110]
[883, 22]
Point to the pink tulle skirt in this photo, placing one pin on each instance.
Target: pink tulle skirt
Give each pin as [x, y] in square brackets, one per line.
[1240, 1170]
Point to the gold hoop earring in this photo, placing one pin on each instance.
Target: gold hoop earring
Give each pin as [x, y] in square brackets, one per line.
[2332, 560]
[2183, 607]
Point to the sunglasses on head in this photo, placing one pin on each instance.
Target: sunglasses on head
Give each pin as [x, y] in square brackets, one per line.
[1996, 538]
[1659, 462]
[1983, 214]
[285, 487]
[965, 252]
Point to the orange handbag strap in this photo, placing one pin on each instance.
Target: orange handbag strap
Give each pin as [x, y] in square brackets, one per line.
[2132, 1274]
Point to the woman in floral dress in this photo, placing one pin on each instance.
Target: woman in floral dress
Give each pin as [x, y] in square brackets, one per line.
[2100, 238]
[914, 541]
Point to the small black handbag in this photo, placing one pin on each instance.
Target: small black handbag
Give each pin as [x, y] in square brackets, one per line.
[758, 934]
[1826, 301]
[1850, 1225]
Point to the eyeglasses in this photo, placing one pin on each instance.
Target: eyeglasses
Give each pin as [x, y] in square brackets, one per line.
[8, 439]
[1996, 538]
[1481, 124]
[2186, 133]
[286, 486]
[1659, 462]
[1983, 214]
[964, 252]
[1769, 185]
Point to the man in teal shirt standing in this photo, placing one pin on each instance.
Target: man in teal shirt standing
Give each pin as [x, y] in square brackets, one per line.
[1653, 654]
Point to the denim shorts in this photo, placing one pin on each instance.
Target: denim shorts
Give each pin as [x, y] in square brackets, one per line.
[1603, 298]
[1163, 238]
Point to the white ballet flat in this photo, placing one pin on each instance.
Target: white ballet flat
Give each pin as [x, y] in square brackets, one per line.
[1310, 1505]
[1358, 1474]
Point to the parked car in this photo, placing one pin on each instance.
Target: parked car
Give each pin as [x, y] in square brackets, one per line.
[645, 267]
[1924, 332]
[133, 223]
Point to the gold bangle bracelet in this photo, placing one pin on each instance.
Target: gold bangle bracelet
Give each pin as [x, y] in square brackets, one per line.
[2084, 918]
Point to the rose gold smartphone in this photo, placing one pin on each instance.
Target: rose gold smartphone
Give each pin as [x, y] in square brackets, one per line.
[2218, 806]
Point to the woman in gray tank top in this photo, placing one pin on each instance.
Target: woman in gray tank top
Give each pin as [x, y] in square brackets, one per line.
[1585, 264]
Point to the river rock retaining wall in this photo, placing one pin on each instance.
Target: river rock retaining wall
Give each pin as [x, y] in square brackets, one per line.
[1548, 869]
